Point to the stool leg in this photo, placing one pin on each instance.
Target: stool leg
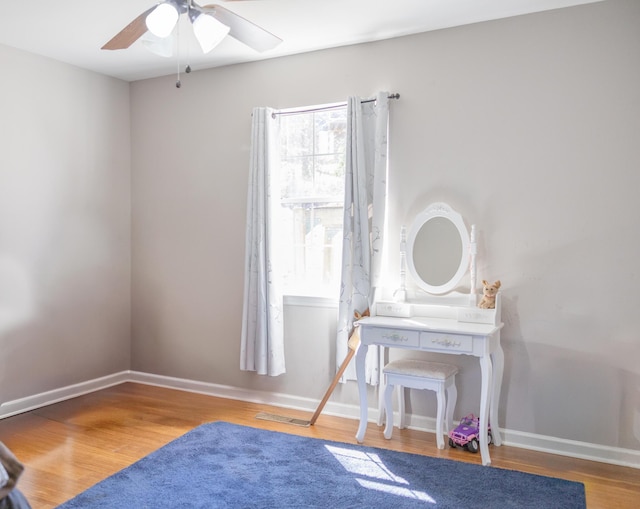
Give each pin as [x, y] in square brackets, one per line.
[403, 419]
[452, 397]
[440, 416]
[388, 410]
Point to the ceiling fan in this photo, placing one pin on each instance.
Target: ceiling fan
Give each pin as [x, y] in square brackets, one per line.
[211, 23]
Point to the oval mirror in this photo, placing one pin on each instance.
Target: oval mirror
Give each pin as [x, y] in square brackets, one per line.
[438, 249]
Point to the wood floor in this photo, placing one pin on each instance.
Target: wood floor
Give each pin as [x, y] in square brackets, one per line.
[69, 446]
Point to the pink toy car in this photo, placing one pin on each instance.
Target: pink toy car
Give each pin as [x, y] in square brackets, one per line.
[466, 434]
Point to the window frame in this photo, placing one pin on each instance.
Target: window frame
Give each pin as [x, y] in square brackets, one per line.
[319, 295]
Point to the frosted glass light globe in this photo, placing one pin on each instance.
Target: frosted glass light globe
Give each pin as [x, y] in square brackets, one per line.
[162, 20]
[209, 32]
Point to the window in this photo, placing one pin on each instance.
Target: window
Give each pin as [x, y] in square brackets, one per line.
[312, 163]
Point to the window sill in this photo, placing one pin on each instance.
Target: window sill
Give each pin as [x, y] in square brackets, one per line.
[310, 301]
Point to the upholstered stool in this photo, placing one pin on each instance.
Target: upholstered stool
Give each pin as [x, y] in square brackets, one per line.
[419, 374]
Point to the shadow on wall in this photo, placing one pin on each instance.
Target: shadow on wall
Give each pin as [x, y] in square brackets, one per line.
[636, 415]
[631, 413]
[516, 410]
[569, 394]
[566, 393]
[16, 305]
[571, 368]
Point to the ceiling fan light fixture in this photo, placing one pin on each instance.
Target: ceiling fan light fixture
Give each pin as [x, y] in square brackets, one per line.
[161, 46]
[162, 19]
[208, 31]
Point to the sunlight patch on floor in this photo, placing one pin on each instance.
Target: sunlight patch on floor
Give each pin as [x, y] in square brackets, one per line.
[396, 490]
[369, 465]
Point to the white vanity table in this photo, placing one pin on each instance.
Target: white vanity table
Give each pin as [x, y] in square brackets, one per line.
[440, 251]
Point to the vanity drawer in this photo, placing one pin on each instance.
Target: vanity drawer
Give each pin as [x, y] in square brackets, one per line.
[446, 342]
[391, 337]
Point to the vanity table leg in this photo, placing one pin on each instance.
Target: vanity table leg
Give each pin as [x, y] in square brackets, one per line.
[498, 368]
[383, 358]
[362, 391]
[486, 370]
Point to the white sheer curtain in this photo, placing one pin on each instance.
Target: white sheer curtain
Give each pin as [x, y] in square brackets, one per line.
[364, 219]
[262, 345]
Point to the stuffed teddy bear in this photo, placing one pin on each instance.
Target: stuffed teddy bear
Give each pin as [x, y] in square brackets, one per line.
[489, 292]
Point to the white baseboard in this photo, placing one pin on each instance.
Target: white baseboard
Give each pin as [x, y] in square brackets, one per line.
[551, 445]
[531, 441]
[573, 448]
[18, 406]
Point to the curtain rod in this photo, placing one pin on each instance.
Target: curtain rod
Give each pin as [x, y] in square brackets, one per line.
[327, 107]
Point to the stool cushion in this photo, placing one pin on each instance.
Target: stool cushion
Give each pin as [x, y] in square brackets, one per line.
[416, 367]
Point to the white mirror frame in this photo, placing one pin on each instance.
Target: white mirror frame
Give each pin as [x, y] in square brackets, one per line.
[442, 210]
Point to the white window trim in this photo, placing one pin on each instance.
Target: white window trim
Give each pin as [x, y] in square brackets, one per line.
[311, 301]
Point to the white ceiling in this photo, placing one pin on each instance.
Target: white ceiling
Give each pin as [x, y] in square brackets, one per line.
[73, 31]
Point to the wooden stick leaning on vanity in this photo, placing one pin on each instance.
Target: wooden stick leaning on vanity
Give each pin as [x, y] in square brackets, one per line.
[354, 342]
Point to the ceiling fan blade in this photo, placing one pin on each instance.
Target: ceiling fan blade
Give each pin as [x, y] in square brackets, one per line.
[131, 33]
[242, 29]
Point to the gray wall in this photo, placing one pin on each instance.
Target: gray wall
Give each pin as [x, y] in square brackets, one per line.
[65, 234]
[528, 126]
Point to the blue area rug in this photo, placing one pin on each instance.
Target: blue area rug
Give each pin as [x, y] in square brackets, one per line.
[222, 465]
